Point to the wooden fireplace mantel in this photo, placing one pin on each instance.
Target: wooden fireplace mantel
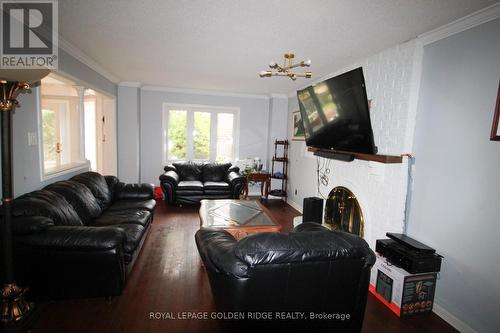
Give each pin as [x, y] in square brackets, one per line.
[360, 156]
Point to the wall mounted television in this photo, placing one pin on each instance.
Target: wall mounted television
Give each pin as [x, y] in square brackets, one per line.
[335, 114]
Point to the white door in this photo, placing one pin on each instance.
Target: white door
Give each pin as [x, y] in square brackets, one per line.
[100, 133]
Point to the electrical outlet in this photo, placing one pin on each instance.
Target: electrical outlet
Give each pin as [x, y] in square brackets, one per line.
[32, 139]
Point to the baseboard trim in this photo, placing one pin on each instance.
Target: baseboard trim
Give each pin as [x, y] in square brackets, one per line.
[452, 320]
[295, 205]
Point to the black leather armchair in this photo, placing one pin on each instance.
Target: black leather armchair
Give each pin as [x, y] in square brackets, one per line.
[80, 237]
[192, 182]
[309, 271]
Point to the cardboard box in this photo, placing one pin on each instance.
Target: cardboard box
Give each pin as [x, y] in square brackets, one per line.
[404, 293]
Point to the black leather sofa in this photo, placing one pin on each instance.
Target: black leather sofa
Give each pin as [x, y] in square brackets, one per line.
[80, 237]
[190, 182]
[309, 270]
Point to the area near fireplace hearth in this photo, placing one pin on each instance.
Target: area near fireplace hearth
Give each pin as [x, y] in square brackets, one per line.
[392, 80]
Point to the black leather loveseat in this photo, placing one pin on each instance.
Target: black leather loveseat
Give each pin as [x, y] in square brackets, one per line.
[190, 182]
[80, 237]
[311, 270]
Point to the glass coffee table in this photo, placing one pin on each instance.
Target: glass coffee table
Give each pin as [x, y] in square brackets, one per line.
[239, 217]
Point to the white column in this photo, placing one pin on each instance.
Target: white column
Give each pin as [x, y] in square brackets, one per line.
[81, 109]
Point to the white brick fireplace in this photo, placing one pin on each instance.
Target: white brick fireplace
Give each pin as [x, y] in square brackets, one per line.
[392, 80]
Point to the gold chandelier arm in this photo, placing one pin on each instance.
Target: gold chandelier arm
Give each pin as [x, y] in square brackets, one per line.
[307, 75]
[285, 70]
[280, 68]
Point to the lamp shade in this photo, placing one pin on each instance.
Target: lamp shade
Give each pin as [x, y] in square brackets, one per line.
[23, 75]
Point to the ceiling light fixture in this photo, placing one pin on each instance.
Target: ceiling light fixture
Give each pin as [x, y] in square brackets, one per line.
[286, 69]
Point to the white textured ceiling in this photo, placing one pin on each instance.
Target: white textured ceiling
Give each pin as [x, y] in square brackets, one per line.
[222, 45]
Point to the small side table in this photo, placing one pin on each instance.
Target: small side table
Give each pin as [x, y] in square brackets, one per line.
[263, 178]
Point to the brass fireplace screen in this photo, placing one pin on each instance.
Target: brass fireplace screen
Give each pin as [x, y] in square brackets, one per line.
[342, 211]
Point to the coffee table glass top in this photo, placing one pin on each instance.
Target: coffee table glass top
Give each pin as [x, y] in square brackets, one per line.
[233, 213]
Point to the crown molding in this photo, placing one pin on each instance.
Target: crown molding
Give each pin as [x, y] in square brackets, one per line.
[467, 22]
[132, 84]
[78, 54]
[278, 95]
[202, 92]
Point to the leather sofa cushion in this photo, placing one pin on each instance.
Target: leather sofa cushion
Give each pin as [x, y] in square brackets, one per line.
[120, 217]
[280, 248]
[97, 185]
[215, 186]
[25, 225]
[210, 193]
[134, 191]
[189, 196]
[80, 197]
[215, 172]
[46, 203]
[133, 204]
[80, 238]
[190, 185]
[188, 171]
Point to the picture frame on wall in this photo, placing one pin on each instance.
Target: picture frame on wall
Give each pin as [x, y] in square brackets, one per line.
[495, 128]
[298, 133]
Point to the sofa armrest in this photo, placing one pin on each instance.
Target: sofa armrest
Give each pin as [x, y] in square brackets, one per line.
[134, 191]
[236, 181]
[215, 246]
[234, 178]
[72, 238]
[25, 225]
[171, 177]
[170, 167]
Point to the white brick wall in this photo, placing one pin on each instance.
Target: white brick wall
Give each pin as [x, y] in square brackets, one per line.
[391, 76]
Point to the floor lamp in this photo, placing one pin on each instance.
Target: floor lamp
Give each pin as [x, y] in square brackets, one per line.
[15, 310]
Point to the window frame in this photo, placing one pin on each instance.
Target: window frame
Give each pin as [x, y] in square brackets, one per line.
[190, 110]
[59, 165]
[79, 165]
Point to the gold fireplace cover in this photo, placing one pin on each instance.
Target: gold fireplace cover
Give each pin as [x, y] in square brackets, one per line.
[342, 211]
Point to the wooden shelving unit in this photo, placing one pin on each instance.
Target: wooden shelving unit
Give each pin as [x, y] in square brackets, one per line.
[360, 156]
[278, 161]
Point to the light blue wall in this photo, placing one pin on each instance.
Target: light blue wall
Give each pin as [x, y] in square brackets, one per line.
[128, 134]
[26, 159]
[302, 167]
[253, 134]
[455, 199]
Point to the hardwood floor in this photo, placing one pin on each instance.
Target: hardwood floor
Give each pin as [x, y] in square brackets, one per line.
[168, 277]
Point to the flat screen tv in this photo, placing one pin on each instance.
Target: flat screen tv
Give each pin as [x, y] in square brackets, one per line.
[335, 114]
